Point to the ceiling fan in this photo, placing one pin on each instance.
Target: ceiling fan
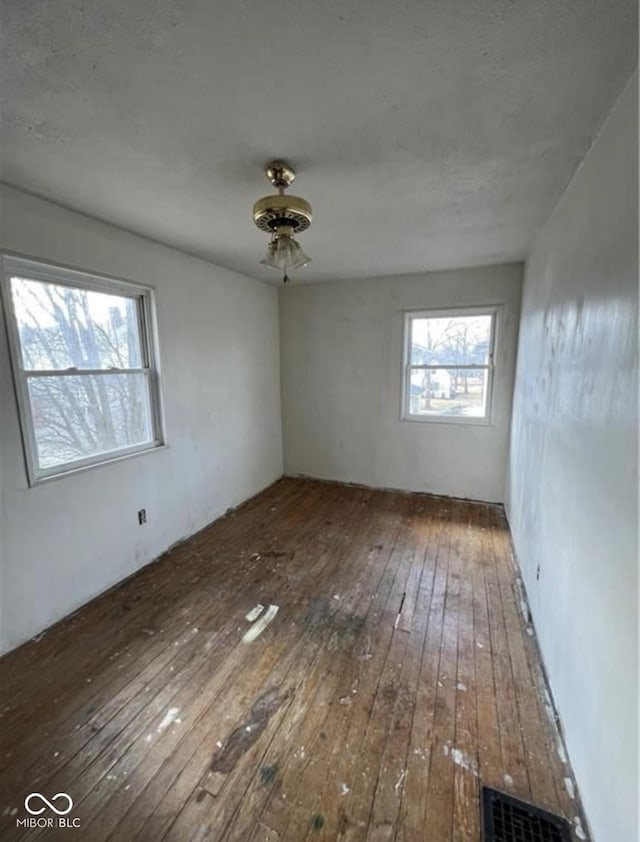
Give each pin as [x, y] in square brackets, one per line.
[283, 216]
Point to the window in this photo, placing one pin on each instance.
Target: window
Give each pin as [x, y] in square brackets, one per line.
[448, 368]
[84, 366]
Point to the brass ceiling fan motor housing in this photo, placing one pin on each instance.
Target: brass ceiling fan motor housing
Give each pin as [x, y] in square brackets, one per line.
[279, 210]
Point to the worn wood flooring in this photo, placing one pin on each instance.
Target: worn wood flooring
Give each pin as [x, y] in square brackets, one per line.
[397, 676]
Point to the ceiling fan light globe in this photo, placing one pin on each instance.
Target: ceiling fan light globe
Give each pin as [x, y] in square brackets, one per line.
[290, 252]
[285, 253]
[302, 258]
[269, 257]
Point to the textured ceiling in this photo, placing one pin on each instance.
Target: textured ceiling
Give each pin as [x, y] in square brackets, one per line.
[427, 134]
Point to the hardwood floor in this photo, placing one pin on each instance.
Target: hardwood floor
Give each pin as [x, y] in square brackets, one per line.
[397, 675]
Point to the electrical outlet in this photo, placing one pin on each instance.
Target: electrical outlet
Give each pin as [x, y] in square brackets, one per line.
[142, 516]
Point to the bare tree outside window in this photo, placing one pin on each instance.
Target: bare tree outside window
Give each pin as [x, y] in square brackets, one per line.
[449, 362]
[83, 363]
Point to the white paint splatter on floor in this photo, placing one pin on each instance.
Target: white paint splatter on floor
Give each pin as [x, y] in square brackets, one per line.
[579, 831]
[522, 601]
[170, 716]
[464, 761]
[562, 754]
[461, 759]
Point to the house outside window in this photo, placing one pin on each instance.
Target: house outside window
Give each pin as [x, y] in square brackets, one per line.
[449, 365]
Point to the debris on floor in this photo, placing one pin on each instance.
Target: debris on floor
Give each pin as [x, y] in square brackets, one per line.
[260, 625]
[255, 612]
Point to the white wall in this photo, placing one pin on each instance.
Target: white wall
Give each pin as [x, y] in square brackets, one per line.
[573, 470]
[341, 350]
[67, 540]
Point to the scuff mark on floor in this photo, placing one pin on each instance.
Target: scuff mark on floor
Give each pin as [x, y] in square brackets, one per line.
[245, 735]
[400, 780]
[201, 833]
[268, 774]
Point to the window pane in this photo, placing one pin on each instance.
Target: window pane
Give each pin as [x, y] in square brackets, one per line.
[79, 416]
[450, 340]
[448, 392]
[63, 327]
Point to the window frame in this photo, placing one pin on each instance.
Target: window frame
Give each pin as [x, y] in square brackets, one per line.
[12, 265]
[492, 310]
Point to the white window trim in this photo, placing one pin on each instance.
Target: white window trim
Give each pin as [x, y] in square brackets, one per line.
[492, 310]
[11, 265]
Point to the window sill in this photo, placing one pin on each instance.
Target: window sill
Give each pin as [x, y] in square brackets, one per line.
[453, 421]
[44, 480]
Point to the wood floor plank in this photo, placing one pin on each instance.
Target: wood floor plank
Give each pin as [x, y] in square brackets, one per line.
[394, 767]
[412, 817]
[398, 674]
[511, 745]
[440, 796]
[491, 763]
[465, 753]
